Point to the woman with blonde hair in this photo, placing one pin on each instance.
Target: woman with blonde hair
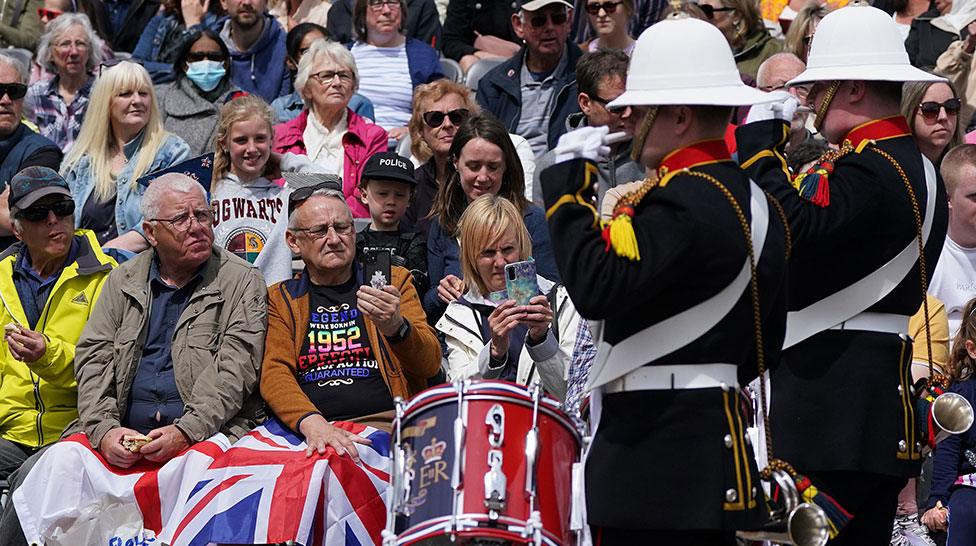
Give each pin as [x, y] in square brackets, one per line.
[800, 34]
[248, 197]
[488, 334]
[121, 139]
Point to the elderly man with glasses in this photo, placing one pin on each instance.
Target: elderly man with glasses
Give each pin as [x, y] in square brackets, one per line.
[337, 347]
[534, 92]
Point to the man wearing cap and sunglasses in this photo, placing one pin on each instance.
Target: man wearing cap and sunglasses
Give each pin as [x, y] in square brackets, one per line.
[842, 399]
[20, 147]
[49, 283]
[688, 283]
[534, 92]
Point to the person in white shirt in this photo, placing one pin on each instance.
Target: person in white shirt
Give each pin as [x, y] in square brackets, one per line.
[954, 279]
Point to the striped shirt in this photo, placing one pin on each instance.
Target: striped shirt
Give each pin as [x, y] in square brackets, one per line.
[384, 78]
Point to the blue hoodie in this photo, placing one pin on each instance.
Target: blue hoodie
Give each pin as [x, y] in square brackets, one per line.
[261, 70]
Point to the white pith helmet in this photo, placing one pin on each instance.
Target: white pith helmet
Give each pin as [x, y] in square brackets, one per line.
[685, 61]
[859, 42]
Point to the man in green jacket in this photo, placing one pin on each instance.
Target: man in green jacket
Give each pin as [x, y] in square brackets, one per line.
[49, 283]
[20, 24]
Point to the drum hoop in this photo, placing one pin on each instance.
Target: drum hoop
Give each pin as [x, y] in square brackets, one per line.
[474, 389]
[469, 522]
[553, 413]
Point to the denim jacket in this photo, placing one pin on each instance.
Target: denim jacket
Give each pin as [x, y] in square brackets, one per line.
[127, 214]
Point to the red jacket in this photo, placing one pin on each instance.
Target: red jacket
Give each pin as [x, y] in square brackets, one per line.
[361, 140]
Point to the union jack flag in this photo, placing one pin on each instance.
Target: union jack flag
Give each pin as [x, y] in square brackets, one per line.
[260, 490]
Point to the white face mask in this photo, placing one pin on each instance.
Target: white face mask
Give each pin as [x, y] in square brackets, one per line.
[206, 74]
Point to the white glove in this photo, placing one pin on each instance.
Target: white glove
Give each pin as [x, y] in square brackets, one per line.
[591, 143]
[784, 108]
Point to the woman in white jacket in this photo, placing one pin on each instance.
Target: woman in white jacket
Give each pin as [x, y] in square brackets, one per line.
[490, 337]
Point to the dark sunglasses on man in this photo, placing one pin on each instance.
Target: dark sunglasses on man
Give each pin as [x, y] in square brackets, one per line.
[538, 20]
[36, 213]
[435, 119]
[609, 7]
[300, 195]
[15, 91]
[710, 10]
[930, 109]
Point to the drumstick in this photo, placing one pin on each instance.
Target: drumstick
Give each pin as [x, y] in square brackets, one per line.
[614, 138]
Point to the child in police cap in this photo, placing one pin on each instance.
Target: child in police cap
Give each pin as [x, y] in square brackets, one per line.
[387, 186]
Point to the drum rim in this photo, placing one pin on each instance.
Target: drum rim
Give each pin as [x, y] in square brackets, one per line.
[437, 525]
[553, 413]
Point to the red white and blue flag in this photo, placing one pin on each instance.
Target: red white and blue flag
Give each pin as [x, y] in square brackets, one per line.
[260, 490]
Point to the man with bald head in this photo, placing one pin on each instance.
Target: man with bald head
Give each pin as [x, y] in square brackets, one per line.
[773, 75]
[171, 353]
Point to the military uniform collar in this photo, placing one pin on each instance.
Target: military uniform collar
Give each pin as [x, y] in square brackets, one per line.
[704, 152]
[878, 129]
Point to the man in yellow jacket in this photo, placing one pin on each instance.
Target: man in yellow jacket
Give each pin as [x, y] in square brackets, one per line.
[49, 282]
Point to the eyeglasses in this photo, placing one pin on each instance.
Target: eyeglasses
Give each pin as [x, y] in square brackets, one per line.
[78, 44]
[299, 196]
[930, 109]
[377, 5]
[37, 213]
[327, 76]
[322, 230]
[197, 56]
[435, 119]
[44, 13]
[609, 7]
[115, 62]
[538, 20]
[182, 222]
[15, 91]
[710, 10]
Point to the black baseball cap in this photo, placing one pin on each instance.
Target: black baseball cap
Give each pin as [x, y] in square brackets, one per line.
[33, 183]
[389, 166]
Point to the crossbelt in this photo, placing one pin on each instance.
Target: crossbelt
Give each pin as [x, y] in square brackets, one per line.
[676, 377]
[876, 322]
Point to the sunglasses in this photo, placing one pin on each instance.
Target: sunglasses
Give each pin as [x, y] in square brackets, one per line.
[49, 14]
[609, 7]
[299, 196]
[435, 119]
[539, 20]
[710, 10]
[930, 109]
[15, 91]
[37, 213]
[197, 56]
[114, 62]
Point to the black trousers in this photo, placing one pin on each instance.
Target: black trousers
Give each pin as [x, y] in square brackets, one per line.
[871, 498]
[606, 536]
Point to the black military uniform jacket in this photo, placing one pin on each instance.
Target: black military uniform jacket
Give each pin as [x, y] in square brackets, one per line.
[672, 459]
[841, 399]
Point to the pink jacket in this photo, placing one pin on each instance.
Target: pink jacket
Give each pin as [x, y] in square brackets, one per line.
[361, 140]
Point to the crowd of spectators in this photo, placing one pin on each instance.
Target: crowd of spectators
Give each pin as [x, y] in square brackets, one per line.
[323, 128]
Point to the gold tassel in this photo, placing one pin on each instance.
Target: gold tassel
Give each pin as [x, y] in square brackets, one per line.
[622, 236]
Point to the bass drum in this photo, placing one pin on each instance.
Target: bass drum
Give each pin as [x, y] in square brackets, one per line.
[482, 462]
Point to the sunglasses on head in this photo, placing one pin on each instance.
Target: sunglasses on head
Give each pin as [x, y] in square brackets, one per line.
[930, 109]
[538, 20]
[435, 119]
[36, 213]
[710, 10]
[115, 62]
[609, 7]
[299, 196]
[197, 56]
[15, 91]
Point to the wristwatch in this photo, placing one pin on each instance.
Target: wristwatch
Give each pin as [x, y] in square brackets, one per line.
[402, 332]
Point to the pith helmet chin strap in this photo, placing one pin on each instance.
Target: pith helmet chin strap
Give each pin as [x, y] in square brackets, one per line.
[825, 105]
[642, 132]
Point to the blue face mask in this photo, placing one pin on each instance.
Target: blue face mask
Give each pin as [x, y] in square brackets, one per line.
[206, 74]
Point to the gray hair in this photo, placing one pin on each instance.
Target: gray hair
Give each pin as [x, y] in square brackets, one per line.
[17, 63]
[58, 26]
[161, 187]
[321, 192]
[323, 50]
